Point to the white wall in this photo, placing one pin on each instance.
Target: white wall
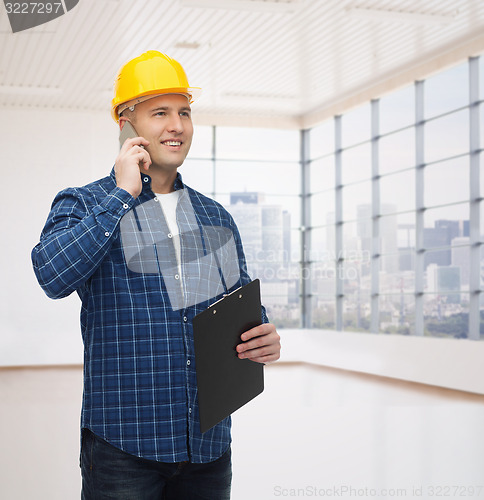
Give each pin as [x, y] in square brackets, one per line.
[449, 363]
[42, 152]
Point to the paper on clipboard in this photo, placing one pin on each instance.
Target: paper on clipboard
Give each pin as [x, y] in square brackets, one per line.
[225, 382]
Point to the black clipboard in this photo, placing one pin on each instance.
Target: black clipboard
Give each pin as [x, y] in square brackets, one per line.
[225, 382]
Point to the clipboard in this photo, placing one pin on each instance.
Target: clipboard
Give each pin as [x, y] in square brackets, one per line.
[225, 382]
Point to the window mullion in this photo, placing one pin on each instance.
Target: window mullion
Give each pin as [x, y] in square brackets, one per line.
[474, 216]
[419, 206]
[338, 224]
[375, 213]
[305, 279]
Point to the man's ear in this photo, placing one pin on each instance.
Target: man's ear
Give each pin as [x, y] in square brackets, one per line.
[122, 121]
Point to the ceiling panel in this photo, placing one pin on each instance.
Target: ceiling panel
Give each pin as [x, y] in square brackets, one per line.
[257, 63]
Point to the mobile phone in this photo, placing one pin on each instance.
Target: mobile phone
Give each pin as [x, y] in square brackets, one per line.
[127, 132]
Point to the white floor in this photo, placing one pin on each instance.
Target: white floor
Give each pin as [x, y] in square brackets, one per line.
[329, 433]
[314, 432]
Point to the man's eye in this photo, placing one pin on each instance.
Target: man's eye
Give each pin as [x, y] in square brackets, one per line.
[160, 113]
[185, 113]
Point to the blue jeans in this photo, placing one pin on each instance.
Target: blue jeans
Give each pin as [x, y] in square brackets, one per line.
[108, 472]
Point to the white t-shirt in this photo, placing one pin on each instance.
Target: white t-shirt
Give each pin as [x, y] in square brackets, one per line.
[168, 202]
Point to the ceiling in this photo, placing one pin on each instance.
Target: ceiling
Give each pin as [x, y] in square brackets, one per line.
[281, 63]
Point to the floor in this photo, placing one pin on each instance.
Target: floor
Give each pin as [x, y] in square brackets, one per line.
[314, 432]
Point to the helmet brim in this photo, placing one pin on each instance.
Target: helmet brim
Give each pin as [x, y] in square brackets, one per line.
[117, 108]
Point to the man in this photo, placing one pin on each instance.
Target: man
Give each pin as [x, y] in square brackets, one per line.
[129, 245]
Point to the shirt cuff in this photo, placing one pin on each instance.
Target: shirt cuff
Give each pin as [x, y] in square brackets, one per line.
[117, 203]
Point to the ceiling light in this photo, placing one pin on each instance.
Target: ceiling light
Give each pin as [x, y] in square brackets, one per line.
[248, 96]
[277, 6]
[399, 16]
[29, 91]
[187, 45]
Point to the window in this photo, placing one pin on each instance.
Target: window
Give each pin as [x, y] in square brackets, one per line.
[447, 91]
[356, 126]
[401, 205]
[446, 182]
[447, 136]
[275, 178]
[376, 211]
[322, 207]
[257, 178]
[397, 151]
[202, 142]
[397, 192]
[357, 201]
[446, 314]
[321, 139]
[198, 174]
[257, 144]
[397, 311]
[397, 110]
[321, 173]
[356, 163]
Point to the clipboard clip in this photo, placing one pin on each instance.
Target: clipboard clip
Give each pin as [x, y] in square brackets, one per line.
[225, 295]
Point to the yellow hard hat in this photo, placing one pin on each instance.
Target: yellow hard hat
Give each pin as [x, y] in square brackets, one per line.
[149, 75]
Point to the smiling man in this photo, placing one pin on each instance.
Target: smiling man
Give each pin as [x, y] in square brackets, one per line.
[116, 242]
[165, 123]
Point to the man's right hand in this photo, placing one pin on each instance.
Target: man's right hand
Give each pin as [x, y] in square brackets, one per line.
[131, 158]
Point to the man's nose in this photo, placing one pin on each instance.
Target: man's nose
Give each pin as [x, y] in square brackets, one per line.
[175, 124]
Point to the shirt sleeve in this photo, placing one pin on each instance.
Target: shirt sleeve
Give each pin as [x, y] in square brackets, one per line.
[78, 234]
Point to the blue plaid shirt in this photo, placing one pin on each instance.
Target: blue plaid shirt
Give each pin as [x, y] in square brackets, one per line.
[140, 388]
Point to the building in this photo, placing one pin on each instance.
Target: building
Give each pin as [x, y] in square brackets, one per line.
[444, 281]
[440, 237]
[460, 258]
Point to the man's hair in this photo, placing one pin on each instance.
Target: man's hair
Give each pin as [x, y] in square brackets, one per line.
[130, 115]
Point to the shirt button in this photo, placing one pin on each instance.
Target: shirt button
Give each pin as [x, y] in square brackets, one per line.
[126, 206]
[188, 362]
[106, 233]
[185, 319]
[170, 235]
[177, 277]
[155, 199]
[146, 179]
[189, 410]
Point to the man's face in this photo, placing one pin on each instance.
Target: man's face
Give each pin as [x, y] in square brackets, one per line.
[165, 121]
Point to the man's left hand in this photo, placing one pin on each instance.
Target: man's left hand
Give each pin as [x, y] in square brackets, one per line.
[261, 344]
